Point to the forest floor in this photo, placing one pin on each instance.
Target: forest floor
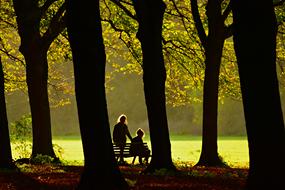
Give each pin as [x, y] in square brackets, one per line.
[59, 177]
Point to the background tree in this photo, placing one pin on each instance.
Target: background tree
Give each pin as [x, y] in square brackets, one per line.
[213, 44]
[5, 147]
[34, 47]
[59, 87]
[85, 34]
[150, 19]
[255, 46]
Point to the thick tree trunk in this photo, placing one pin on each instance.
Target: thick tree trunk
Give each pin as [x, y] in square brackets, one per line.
[209, 154]
[213, 50]
[255, 41]
[5, 147]
[35, 52]
[85, 34]
[36, 72]
[150, 18]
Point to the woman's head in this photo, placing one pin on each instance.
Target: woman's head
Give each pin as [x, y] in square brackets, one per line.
[122, 119]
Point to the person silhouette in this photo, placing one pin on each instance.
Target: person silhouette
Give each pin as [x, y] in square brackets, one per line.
[119, 135]
[138, 149]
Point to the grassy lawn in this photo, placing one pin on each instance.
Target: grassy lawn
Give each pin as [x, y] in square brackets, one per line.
[233, 150]
[185, 149]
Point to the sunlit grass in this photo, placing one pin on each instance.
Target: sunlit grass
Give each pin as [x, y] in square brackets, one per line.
[233, 150]
[185, 149]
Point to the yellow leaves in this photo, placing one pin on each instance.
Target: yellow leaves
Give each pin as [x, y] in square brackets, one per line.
[59, 103]
[180, 88]
[49, 15]
[184, 57]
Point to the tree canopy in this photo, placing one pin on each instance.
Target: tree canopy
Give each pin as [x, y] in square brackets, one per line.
[183, 52]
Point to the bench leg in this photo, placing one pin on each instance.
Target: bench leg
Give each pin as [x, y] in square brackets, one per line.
[134, 159]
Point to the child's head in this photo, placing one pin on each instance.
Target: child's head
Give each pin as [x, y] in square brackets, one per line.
[140, 132]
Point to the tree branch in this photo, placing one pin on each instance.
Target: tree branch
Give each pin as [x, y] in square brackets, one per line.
[198, 23]
[119, 4]
[56, 26]
[227, 11]
[46, 5]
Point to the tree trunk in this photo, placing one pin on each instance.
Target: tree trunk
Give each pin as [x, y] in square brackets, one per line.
[36, 72]
[213, 51]
[5, 147]
[85, 34]
[209, 154]
[255, 46]
[150, 18]
[35, 50]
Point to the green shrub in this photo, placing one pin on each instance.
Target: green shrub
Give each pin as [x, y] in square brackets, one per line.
[21, 134]
[42, 159]
[22, 128]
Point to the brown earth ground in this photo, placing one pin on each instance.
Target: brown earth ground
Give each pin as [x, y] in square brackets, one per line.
[48, 177]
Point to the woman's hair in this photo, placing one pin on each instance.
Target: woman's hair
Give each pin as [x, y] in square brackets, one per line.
[122, 116]
[140, 131]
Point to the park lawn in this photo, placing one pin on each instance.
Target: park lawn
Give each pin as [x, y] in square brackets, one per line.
[185, 153]
[185, 149]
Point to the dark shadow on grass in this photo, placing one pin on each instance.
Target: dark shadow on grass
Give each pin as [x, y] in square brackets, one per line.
[15, 179]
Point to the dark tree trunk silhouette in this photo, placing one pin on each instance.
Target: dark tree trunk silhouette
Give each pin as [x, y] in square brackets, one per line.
[5, 147]
[150, 18]
[213, 44]
[36, 73]
[34, 47]
[85, 35]
[255, 46]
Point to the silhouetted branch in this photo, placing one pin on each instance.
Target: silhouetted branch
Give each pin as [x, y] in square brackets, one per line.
[198, 23]
[119, 4]
[6, 52]
[57, 25]
[46, 5]
[227, 11]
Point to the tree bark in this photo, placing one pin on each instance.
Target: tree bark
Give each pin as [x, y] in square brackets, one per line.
[5, 147]
[150, 17]
[88, 51]
[255, 46]
[36, 72]
[213, 45]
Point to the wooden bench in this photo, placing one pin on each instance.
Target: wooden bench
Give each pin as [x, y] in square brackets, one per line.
[126, 152]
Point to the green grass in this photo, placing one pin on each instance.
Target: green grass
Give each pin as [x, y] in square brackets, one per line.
[185, 149]
[233, 150]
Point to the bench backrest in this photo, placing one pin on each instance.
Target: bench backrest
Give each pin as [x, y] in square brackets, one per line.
[126, 151]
